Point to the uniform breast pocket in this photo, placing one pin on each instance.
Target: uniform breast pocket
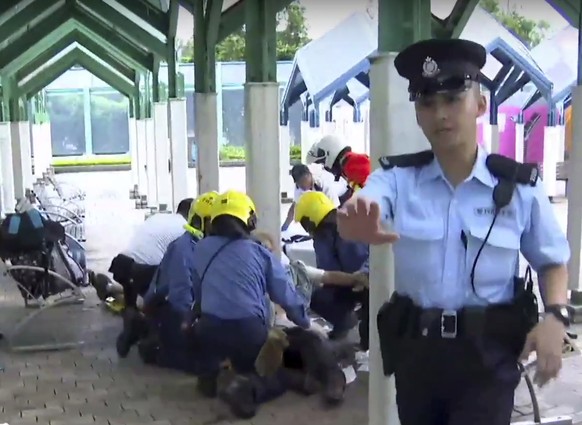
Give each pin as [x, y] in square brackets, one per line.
[419, 251]
[496, 263]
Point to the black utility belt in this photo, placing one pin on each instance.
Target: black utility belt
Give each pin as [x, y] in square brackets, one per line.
[468, 322]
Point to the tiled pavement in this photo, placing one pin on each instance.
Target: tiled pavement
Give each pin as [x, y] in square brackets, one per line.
[90, 385]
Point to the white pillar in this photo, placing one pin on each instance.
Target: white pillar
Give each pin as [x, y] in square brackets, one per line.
[21, 157]
[42, 148]
[132, 126]
[306, 141]
[492, 139]
[550, 160]
[393, 131]
[519, 142]
[141, 147]
[179, 153]
[262, 158]
[285, 159]
[151, 171]
[162, 146]
[206, 131]
[575, 193]
[8, 198]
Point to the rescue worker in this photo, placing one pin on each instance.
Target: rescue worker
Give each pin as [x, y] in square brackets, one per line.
[338, 158]
[305, 180]
[134, 267]
[165, 344]
[233, 279]
[461, 218]
[336, 304]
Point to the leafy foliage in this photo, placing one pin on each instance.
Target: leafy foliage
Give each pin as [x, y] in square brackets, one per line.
[529, 31]
[291, 36]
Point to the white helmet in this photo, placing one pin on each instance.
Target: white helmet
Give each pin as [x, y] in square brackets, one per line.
[326, 151]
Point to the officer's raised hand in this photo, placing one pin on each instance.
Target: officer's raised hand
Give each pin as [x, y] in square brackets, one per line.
[546, 339]
[359, 220]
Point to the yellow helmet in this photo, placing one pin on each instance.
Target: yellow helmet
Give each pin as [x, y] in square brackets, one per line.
[313, 206]
[200, 210]
[235, 204]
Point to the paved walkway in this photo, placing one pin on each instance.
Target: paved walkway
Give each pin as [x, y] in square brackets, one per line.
[90, 385]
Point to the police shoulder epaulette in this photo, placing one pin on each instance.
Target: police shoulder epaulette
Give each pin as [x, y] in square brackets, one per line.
[418, 159]
[505, 168]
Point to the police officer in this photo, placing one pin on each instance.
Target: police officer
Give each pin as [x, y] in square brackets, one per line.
[336, 304]
[234, 277]
[460, 219]
[166, 343]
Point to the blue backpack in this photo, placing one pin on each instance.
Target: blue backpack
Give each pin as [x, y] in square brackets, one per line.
[26, 232]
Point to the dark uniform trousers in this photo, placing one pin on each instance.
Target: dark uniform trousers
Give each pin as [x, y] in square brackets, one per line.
[456, 382]
[135, 278]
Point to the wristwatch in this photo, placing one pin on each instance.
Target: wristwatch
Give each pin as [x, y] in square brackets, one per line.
[561, 312]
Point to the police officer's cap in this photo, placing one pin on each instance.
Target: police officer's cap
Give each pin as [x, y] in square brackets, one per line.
[437, 65]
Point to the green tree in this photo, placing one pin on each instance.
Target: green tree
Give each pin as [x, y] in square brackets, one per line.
[529, 31]
[291, 36]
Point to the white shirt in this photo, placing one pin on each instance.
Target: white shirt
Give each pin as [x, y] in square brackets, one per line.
[151, 238]
[324, 179]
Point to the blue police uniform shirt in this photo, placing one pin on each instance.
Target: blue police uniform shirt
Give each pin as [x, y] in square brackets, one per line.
[175, 270]
[432, 265]
[238, 281]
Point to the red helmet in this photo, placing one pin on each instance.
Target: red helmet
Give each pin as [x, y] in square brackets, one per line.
[356, 168]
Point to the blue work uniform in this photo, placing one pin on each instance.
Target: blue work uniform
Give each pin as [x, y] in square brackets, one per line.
[441, 230]
[232, 286]
[332, 253]
[174, 274]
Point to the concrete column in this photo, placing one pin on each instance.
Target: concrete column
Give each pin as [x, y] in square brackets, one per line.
[42, 148]
[21, 157]
[575, 199]
[132, 126]
[550, 159]
[8, 198]
[306, 139]
[388, 100]
[262, 141]
[491, 137]
[141, 147]
[162, 146]
[178, 151]
[519, 142]
[206, 130]
[151, 170]
[285, 161]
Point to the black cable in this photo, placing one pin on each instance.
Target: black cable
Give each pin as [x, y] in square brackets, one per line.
[479, 254]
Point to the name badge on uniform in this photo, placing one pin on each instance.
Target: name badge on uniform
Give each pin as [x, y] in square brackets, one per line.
[490, 211]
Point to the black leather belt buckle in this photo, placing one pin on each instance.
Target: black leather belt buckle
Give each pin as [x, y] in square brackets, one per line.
[449, 324]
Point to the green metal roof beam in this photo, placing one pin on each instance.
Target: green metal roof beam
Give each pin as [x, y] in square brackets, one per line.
[23, 17]
[15, 53]
[133, 55]
[75, 36]
[148, 13]
[63, 64]
[172, 18]
[233, 18]
[6, 5]
[460, 15]
[115, 21]
[35, 41]
[569, 10]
